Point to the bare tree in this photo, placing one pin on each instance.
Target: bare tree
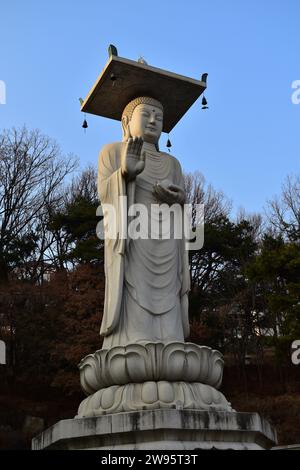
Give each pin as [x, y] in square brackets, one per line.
[83, 187]
[255, 220]
[198, 192]
[284, 211]
[205, 263]
[32, 170]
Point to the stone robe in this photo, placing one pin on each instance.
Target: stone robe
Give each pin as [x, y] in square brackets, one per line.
[147, 280]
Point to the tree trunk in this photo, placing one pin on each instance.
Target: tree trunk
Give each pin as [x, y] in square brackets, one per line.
[3, 271]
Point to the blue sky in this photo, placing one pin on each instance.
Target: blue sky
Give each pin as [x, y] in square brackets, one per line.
[51, 52]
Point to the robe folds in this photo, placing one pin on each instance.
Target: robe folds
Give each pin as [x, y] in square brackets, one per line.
[147, 279]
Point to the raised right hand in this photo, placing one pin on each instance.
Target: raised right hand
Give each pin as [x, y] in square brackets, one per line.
[132, 158]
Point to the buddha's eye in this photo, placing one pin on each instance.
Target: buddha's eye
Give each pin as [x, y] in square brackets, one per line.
[145, 113]
[159, 118]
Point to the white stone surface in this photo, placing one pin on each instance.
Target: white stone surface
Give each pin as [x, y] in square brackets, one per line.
[147, 280]
[153, 395]
[161, 429]
[137, 363]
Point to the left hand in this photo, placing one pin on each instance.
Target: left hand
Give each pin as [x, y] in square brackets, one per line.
[169, 193]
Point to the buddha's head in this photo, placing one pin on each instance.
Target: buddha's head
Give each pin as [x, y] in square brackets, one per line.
[143, 117]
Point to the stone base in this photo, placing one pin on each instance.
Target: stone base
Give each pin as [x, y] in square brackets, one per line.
[163, 429]
[152, 396]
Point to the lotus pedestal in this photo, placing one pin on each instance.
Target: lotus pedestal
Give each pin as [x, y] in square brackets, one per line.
[156, 396]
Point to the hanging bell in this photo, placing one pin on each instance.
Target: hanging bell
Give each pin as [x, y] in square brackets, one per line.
[168, 144]
[85, 124]
[113, 78]
[204, 103]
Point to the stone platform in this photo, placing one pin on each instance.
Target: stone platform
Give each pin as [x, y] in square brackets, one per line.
[161, 429]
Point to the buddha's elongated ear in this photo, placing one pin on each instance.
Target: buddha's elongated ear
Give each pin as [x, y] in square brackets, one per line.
[125, 128]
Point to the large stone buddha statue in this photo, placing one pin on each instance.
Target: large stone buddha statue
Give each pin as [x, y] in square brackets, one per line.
[145, 362]
[147, 279]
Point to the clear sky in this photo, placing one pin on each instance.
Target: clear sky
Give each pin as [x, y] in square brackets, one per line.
[52, 51]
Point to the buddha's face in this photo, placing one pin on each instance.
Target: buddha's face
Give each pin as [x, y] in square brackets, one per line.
[146, 122]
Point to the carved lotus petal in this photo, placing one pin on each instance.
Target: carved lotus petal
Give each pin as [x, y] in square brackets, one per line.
[153, 395]
[89, 373]
[138, 363]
